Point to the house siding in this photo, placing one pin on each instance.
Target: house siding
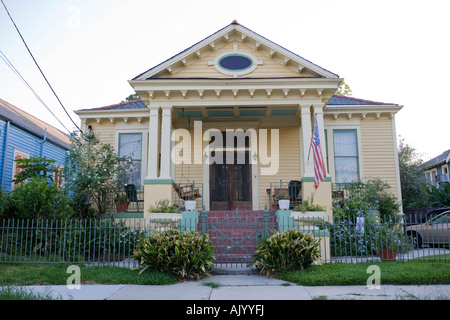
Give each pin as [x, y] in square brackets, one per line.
[269, 68]
[23, 141]
[289, 165]
[378, 151]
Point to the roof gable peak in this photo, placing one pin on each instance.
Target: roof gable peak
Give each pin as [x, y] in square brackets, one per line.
[222, 37]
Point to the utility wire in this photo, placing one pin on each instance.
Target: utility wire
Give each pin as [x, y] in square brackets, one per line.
[11, 66]
[23, 40]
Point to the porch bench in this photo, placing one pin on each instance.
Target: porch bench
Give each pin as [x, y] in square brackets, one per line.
[184, 192]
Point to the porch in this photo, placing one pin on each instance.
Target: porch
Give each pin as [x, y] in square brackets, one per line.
[131, 198]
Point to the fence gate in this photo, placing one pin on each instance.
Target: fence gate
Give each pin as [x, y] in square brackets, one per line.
[235, 235]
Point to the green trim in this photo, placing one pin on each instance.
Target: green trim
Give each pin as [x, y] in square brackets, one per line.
[311, 179]
[158, 181]
[123, 215]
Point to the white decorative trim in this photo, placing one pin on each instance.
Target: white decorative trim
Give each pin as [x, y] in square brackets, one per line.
[235, 51]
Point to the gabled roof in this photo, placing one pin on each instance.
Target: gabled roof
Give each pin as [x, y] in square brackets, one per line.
[244, 33]
[33, 125]
[440, 159]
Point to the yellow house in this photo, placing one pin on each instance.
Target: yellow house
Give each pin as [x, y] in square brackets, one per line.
[234, 114]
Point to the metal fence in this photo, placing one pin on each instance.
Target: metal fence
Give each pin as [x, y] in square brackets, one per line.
[100, 242]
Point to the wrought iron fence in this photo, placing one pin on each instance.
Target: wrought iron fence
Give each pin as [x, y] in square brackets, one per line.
[100, 242]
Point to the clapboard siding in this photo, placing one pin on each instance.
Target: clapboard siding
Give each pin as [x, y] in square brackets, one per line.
[289, 166]
[104, 131]
[25, 142]
[201, 69]
[378, 151]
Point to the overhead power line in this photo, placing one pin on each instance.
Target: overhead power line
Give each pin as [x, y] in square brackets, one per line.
[11, 66]
[40, 70]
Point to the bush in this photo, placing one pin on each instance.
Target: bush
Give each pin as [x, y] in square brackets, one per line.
[286, 251]
[188, 255]
[363, 198]
[38, 199]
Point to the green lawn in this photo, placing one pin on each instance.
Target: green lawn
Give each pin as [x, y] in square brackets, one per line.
[414, 272]
[56, 274]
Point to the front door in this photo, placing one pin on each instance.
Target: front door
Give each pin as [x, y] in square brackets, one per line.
[230, 184]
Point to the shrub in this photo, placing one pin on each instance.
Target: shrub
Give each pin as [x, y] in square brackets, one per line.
[38, 199]
[286, 251]
[188, 255]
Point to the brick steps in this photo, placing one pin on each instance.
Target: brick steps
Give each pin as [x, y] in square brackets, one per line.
[234, 235]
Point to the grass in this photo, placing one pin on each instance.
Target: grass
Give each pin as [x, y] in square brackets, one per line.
[17, 293]
[414, 272]
[56, 274]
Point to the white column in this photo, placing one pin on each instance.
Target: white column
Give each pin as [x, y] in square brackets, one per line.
[166, 132]
[153, 139]
[318, 111]
[308, 165]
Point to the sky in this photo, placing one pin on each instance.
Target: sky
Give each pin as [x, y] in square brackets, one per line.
[392, 51]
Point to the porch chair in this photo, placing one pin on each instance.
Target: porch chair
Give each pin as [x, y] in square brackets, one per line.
[131, 192]
[295, 192]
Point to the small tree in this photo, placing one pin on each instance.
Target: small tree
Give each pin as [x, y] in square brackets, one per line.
[34, 166]
[93, 174]
[411, 177]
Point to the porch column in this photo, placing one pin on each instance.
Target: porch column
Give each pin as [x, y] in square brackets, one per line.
[307, 165]
[158, 184]
[153, 151]
[322, 195]
[166, 132]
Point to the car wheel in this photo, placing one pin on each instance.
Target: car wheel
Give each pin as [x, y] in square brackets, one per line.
[416, 240]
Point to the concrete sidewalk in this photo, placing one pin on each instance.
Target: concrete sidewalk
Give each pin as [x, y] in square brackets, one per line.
[242, 287]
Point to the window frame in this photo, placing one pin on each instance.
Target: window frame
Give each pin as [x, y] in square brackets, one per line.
[357, 153]
[141, 160]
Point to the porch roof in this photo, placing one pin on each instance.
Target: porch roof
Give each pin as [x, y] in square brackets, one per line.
[335, 100]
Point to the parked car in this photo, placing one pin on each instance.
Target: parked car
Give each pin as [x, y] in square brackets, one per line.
[434, 230]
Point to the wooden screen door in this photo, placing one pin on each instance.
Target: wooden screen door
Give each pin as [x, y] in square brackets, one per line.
[231, 184]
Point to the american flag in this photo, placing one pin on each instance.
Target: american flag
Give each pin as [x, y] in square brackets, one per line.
[319, 165]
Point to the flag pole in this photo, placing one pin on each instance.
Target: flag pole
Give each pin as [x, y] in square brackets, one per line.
[312, 136]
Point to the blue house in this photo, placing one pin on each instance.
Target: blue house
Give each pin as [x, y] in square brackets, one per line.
[437, 169]
[22, 136]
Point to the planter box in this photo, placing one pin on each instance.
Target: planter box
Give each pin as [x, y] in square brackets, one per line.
[161, 221]
[155, 216]
[388, 254]
[308, 216]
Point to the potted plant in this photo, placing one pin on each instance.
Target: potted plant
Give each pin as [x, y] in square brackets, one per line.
[283, 201]
[190, 203]
[387, 241]
[121, 201]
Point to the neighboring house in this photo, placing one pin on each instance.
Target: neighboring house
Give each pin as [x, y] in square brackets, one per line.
[22, 136]
[237, 79]
[436, 169]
